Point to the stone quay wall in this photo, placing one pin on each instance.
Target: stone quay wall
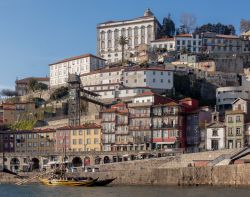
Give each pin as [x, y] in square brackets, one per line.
[231, 175]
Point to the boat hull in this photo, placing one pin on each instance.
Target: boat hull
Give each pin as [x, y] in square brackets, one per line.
[55, 182]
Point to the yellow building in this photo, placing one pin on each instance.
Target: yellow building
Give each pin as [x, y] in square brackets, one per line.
[86, 137]
[35, 141]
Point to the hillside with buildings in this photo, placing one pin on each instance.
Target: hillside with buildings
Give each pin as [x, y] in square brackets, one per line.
[142, 91]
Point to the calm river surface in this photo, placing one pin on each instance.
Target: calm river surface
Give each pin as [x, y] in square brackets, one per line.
[119, 191]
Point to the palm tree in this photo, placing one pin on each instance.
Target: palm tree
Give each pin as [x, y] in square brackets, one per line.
[123, 41]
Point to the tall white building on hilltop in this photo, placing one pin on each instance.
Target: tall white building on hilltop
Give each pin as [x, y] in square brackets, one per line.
[75, 65]
[138, 31]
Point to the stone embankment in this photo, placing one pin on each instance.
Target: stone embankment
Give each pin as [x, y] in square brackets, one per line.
[166, 171]
[232, 175]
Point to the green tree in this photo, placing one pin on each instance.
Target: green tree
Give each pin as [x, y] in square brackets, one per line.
[32, 84]
[123, 41]
[59, 93]
[168, 26]
[8, 93]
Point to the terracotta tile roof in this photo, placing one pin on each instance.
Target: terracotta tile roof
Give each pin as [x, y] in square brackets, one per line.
[84, 126]
[146, 94]
[26, 80]
[227, 36]
[184, 35]
[172, 103]
[234, 112]
[119, 105]
[163, 39]
[76, 57]
[111, 110]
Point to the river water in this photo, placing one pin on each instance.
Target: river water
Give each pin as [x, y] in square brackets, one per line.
[120, 191]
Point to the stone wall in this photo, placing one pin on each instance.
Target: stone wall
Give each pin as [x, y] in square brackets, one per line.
[233, 175]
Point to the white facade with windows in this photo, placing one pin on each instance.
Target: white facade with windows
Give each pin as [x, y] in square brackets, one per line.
[121, 82]
[164, 43]
[215, 138]
[156, 78]
[190, 42]
[76, 65]
[138, 31]
[225, 96]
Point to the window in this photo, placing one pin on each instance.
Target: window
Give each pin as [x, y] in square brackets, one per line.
[215, 133]
[88, 132]
[154, 73]
[80, 132]
[161, 80]
[96, 141]
[238, 119]
[96, 132]
[88, 141]
[74, 132]
[230, 119]
[74, 141]
[230, 131]
[80, 141]
[153, 80]
[238, 131]
[135, 80]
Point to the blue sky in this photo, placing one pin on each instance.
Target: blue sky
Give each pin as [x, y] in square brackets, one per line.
[34, 33]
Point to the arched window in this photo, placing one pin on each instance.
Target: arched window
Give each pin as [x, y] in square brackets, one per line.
[142, 30]
[109, 34]
[102, 45]
[123, 32]
[109, 44]
[103, 35]
[129, 32]
[136, 31]
[149, 32]
[116, 34]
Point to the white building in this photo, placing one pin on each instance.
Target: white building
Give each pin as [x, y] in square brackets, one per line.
[154, 77]
[215, 133]
[79, 64]
[225, 96]
[189, 42]
[125, 82]
[141, 30]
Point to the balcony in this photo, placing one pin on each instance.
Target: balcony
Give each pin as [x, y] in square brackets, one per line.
[139, 128]
[140, 115]
[108, 131]
[166, 126]
[171, 113]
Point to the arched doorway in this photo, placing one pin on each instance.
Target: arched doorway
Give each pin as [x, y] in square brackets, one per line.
[35, 164]
[86, 161]
[106, 159]
[132, 157]
[77, 162]
[14, 164]
[97, 160]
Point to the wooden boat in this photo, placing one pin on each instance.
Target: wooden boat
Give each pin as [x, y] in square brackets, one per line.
[98, 182]
[67, 182]
[102, 182]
